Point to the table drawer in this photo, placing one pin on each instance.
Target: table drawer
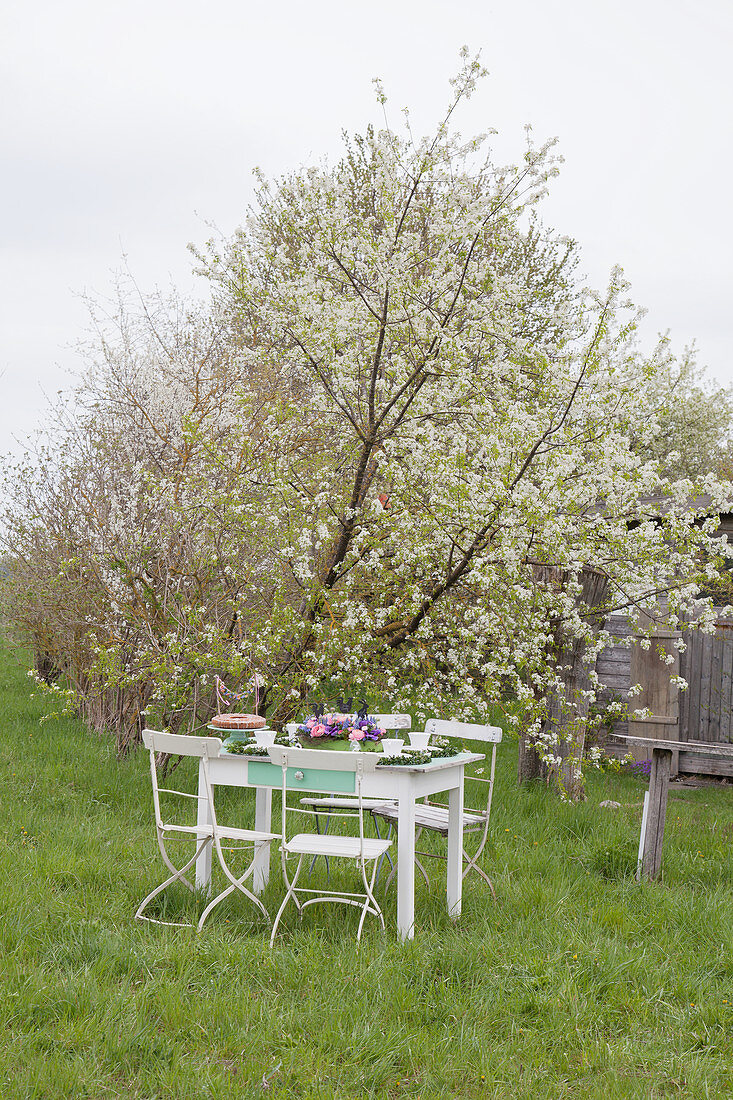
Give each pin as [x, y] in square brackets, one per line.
[313, 779]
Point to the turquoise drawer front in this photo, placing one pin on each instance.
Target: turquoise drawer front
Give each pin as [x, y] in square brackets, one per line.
[314, 779]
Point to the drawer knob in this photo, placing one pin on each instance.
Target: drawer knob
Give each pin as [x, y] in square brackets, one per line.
[299, 775]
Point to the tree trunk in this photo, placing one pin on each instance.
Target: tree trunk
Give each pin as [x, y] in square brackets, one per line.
[567, 710]
[45, 665]
[530, 765]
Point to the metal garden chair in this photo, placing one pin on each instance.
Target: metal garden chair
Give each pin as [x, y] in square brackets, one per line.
[318, 763]
[204, 748]
[339, 802]
[433, 816]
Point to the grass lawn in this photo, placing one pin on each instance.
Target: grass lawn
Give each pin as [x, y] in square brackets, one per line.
[578, 983]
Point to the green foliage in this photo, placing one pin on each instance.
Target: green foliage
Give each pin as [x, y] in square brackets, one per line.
[690, 419]
[604, 714]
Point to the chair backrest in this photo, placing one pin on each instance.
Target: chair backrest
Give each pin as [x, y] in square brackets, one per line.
[322, 760]
[205, 748]
[177, 744]
[467, 731]
[470, 731]
[393, 721]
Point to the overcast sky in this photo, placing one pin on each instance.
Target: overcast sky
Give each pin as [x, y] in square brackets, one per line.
[126, 128]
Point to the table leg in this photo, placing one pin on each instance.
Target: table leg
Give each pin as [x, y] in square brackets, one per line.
[263, 821]
[203, 817]
[454, 873]
[651, 857]
[406, 868]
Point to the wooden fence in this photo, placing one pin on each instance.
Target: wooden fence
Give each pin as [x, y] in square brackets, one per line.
[705, 709]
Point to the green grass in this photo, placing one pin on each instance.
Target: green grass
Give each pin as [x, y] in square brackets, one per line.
[578, 983]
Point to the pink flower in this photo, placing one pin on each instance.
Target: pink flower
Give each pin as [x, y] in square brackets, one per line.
[311, 723]
[356, 734]
[318, 731]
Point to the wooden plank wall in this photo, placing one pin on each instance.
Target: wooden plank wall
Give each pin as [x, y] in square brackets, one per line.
[707, 705]
[614, 666]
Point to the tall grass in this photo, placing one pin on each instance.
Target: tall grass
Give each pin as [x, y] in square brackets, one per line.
[578, 983]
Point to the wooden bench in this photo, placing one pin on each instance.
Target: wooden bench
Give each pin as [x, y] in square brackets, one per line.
[691, 755]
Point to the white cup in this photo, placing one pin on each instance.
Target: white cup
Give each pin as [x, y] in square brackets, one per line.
[264, 738]
[419, 740]
[392, 746]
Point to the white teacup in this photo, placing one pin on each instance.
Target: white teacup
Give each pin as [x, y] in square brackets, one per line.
[264, 738]
[392, 746]
[419, 740]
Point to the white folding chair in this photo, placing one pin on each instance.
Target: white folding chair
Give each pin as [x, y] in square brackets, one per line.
[338, 802]
[434, 815]
[204, 748]
[320, 763]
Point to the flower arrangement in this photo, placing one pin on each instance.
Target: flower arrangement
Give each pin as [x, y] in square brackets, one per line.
[327, 730]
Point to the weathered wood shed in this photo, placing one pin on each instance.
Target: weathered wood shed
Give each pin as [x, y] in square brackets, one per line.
[704, 712]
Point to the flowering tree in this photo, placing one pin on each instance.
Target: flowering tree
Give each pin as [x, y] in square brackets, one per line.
[107, 571]
[403, 456]
[690, 418]
[431, 340]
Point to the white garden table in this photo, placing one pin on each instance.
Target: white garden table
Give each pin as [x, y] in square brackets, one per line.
[403, 784]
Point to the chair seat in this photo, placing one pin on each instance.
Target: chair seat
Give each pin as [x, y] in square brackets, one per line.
[430, 817]
[344, 803]
[324, 845]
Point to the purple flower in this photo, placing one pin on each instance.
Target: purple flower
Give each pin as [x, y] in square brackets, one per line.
[640, 769]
